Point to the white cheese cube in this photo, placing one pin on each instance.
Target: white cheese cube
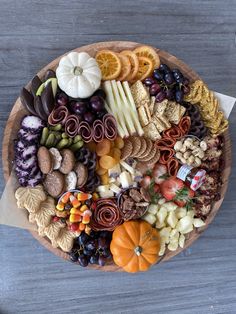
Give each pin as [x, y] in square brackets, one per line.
[103, 188]
[162, 249]
[171, 219]
[173, 245]
[161, 215]
[165, 234]
[150, 218]
[185, 225]
[106, 194]
[153, 209]
[161, 201]
[125, 179]
[180, 212]
[115, 171]
[197, 222]
[181, 241]
[127, 167]
[170, 206]
[114, 188]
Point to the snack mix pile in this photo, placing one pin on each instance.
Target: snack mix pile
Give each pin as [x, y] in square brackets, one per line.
[119, 157]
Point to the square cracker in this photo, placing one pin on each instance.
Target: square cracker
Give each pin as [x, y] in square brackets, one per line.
[139, 93]
[161, 123]
[144, 115]
[160, 107]
[151, 131]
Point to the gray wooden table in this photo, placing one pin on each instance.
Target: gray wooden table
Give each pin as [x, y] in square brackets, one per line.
[203, 34]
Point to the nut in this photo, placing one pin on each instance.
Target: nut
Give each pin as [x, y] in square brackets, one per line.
[187, 154]
[197, 161]
[178, 155]
[178, 146]
[183, 149]
[191, 160]
[203, 145]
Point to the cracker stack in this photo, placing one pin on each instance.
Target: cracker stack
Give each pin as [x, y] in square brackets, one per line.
[155, 117]
[208, 105]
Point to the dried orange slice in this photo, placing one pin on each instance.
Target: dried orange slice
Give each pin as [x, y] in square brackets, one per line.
[134, 63]
[109, 64]
[148, 52]
[125, 68]
[145, 68]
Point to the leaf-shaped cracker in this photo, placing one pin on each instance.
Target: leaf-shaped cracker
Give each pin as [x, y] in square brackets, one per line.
[46, 211]
[30, 197]
[52, 231]
[65, 239]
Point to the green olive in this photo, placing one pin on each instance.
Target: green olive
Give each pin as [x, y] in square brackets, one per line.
[44, 136]
[77, 138]
[63, 143]
[64, 135]
[57, 127]
[76, 146]
[50, 140]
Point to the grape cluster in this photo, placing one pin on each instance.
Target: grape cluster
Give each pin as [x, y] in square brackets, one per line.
[89, 159]
[89, 109]
[167, 84]
[91, 249]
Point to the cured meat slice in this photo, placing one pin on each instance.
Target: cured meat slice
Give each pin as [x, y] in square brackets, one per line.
[184, 125]
[72, 125]
[59, 115]
[172, 166]
[166, 155]
[165, 142]
[98, 130]
[110, 126]
[173, 132]
[85, 131]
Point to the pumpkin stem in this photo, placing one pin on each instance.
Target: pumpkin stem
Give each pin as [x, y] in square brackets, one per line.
[138, 250]
[78, 70]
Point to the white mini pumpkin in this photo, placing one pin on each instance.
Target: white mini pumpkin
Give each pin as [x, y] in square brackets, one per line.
[78, 75]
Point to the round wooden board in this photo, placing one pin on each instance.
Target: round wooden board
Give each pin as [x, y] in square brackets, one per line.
[18, 112]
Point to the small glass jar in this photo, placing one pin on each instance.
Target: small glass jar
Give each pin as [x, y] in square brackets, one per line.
[193, 177]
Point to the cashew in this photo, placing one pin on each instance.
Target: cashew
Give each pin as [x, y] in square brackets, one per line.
[178, 155]
[178, 146]
[183, 149]
[187, 154]
[191, 160]
[188, 141]
[203, 145]
[197, 161]
[183, 160]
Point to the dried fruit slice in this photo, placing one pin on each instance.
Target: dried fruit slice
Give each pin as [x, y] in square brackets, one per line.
[134, 63]
[107, 162]
[145, 68]
[104, 179]
[103, 148]
[100, 171]
[109, 64]
[115, 153]
[119, 142]
[125, 68]
[148, 52]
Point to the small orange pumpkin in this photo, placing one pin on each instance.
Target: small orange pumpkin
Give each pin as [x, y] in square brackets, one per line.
[135, 246]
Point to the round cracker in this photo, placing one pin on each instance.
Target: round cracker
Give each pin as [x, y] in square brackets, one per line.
[148, 149]
[136, 142]
[155, 158]
[126, 150]
[150, 155]
[142, 148]
[68, 161]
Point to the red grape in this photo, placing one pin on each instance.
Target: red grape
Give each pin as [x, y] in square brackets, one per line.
[149, 81]
[154, 89]
[97, 103]
[62, 99]
[160, 96]
[89, 117]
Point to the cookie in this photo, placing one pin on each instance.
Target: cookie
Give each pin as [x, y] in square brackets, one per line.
[54, 183]
[52, 231]
[30, 197]
[81, 173]
[65, 239]
[71, 179]
[136, 143]
[142, 148]
[45, 161]
[44, 215]
[151, 154]
[68, 161]
[126, 150]
[56, 158]
[148, 149]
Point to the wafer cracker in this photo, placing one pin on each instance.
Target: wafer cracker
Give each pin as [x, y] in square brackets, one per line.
[126, 150]
[160, 107]
[152, 105]
[140, 93]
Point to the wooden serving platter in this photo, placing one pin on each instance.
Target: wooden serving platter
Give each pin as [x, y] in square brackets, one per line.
[18, 112]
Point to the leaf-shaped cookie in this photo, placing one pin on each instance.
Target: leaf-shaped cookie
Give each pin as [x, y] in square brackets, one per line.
[44, 215]
[65, 239]
[52, 231]
[30, 197]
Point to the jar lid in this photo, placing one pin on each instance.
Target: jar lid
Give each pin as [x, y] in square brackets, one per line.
[198, 179]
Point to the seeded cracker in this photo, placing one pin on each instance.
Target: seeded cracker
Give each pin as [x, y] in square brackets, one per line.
[151, 131]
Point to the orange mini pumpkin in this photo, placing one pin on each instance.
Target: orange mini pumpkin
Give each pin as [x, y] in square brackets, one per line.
[135, 246]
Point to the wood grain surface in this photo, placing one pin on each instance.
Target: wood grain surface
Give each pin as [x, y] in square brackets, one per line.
[202, 279]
